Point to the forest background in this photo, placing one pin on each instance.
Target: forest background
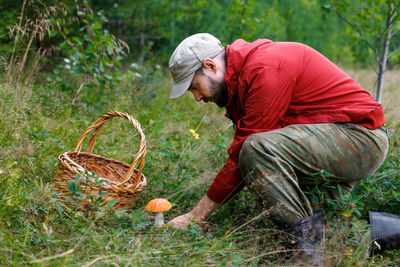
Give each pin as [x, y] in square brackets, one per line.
[65, 63]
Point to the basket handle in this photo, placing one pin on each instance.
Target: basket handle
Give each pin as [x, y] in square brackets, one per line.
[142, 145]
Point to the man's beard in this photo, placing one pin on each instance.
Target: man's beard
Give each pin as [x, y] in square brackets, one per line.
[219, 93]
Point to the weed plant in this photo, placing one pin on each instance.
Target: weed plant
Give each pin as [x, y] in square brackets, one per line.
[186, 147]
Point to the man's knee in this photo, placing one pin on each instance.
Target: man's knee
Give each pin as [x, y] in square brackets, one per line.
[253, 147]
[248, 148]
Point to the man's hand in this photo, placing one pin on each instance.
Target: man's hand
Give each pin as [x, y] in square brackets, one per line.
[183, 221]
[180, 222]
[199, 214]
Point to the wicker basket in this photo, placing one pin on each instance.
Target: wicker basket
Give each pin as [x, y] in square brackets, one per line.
[121, 181]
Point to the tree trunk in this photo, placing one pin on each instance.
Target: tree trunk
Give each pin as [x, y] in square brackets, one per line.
[382, 63]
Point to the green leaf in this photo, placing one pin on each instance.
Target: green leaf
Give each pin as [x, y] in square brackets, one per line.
[72, 187]
[101, 193]
[96, 26]
[111, 203]
[60, 209]
[347, 213]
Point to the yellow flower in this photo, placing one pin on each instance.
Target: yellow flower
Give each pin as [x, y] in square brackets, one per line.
[195, 135]
[347, 213]
[348, 252]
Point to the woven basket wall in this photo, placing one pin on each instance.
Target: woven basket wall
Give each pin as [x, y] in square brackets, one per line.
[122, 182]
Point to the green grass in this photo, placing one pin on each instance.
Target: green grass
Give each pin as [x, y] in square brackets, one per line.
[40, 122]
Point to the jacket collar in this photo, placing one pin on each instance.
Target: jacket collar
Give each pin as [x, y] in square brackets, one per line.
[236, 56]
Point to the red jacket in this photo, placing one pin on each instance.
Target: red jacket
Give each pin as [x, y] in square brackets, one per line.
[275, 84]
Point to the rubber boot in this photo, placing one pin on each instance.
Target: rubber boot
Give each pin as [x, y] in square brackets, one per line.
[385, 229]
[310, 234]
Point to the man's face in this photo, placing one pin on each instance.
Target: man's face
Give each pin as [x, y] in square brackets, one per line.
[205, 87]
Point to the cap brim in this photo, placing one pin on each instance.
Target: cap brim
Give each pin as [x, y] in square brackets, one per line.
[178, 89]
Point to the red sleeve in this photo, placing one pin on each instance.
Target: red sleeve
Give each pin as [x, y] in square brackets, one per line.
[266, 99]
[227, 183]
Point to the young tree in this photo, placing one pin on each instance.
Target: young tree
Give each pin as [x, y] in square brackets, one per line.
[376, 22]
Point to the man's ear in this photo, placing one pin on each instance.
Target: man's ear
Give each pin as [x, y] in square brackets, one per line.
[209, 64]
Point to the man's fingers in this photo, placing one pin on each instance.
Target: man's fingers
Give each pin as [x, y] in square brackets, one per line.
[183, 221]
[179, 222]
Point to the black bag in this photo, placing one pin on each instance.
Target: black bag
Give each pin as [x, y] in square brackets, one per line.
[385, 229]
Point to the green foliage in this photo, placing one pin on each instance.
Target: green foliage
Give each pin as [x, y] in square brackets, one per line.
[160, 26]
[242, 20]
[330, 197]
[96, 54]
[92, 58]
[368, 21]
[152, 29]
[8, 18]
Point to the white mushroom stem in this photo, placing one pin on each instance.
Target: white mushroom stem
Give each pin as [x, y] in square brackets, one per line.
[159, 219]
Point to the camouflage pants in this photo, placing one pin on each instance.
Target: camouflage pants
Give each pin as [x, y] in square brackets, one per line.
[276, 165]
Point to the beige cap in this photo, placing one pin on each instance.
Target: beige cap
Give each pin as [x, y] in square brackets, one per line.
[188, 57]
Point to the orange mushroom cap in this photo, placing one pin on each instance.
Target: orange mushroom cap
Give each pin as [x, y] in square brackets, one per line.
[158, 205]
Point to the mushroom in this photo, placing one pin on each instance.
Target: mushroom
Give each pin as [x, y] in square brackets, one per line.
[158, 206]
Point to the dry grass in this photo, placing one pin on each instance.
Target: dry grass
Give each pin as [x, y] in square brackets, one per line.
[26, 33]
[391, 97]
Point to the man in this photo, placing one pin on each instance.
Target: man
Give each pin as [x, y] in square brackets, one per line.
[295, 114]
